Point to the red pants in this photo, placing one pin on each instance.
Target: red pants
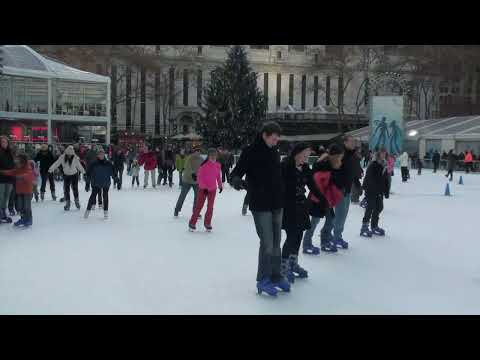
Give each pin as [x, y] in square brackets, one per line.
[199, 206]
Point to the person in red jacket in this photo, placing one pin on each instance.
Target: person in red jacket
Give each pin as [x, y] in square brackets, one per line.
[209, 175]
[148, 160]
[468, 161]
[24, 179]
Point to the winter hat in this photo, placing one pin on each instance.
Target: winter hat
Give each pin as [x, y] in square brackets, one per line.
[335, 149]
[70, 151]
[299, 148]
[101, 150]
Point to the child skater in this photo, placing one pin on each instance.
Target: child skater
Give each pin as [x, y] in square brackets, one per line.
[36, 177]
[135, 171]
[209, 175]
[376, 186]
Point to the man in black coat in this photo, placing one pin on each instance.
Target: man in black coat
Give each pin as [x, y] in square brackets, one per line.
[436, 160]
[46, 159]
[261, 163]
[345, 175]
[118, 165]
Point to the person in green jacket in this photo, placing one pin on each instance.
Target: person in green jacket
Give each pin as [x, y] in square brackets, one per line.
[189, 181]
[180, 164]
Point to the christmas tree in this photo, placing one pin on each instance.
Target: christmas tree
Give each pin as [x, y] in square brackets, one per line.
[234, 106]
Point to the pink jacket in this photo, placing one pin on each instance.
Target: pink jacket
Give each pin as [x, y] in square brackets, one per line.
[209, 175]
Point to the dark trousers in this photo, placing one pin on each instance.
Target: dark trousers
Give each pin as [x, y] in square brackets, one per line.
[49, 177]
[404, 171]
[468, 167]
[93, 197]
[183, 194]
[450, 173]
[24, 205]
[167, 172]
[269, 229]
[373, 210]
[12, 203]
[70, 181]
[292, 243]
[356, 193]
[246, 199]
[119, 175]
[435, 167]
[225, 173]
[135, 178]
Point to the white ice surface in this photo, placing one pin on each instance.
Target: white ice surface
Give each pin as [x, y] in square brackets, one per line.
[143, 261]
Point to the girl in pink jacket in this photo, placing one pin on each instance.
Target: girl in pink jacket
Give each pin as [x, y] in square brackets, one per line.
[209, 175]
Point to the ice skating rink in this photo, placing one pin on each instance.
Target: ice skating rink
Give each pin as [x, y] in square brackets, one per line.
[144, 261]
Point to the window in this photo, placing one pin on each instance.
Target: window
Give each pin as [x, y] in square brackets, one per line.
[327, 91]
[297, 48]
[304, 90]
[199, 50]
[340, 92]
[279, 54]
[265, 87]
[315, 91]
[316, 58]
[80, 99]
[290, 89]
[279, 90]
[260, 47]
[334, 50]
[199, 87]
[185, 87]
[143, 99]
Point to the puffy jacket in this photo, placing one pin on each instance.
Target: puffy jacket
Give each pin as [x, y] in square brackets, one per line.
[180, 162]
[100, 173]
[6, 163]
[376, 180]
[468, 157]
[68, 168]
[192, 163]
[209, 175]
[404, 159]
[46, 160]
[24, 179]
[148, 160]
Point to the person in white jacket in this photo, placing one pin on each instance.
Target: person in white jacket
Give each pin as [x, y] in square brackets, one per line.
[71, 170]
[404, 165]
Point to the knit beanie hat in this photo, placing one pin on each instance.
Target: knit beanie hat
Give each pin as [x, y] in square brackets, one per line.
[299, 148]
[335, 149]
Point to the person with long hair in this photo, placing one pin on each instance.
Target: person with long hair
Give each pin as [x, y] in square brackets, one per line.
[6, 182]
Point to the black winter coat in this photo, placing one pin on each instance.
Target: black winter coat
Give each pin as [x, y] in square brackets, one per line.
[346, 173]
[118, 161]
[100, 172]
[376, 180]
[295, 209]
[261, 164]
[46, 160]
[6, 163]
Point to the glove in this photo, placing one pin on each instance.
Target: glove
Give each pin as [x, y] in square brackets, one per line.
[237, 183]
[221, 189]
[205, 192]
[194, 177]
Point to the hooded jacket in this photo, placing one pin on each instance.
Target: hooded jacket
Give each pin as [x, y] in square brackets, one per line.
[148, 160]
[46, 159]
[192, 163]
[100, 172]
[376, 179]
[209, 175]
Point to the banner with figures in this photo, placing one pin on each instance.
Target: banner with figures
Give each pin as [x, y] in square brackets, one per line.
[386, 123]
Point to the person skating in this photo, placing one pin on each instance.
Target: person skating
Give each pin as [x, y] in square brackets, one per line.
[148, 160]
[209, 176]
[327, 196]
[468, 162]
[160, 158]
[168, 166]
[390, 161]
[357, 175]
[376, 188]
[404, 166]
[135, 172]
[72, 168]
[180, 165]
[100, 172]
[296, 175]
[189, 181]
[260, 161]
[131, 155]
[451, 160]
[90, 157]
[7, 183]
[46, 159]
[118, 165]
[36, 175]
[346, 176]
[436, 161]
[24, 178]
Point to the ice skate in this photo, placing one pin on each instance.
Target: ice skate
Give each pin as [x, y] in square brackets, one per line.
[18, 223]
[105, 215]
[328, 246]
[340, 243]
[77, 204]
[100, 206]
[4, 218]
[54, 197]
[192, 228]
[67, 206]
[175, 213]
[311, 250]
[365, 231]
[36, 197]
[378, 231]
[286, 272]
[244, 210]
[265, 285]
[295, 268]
[208, 228]
[42, 196]
[282, 284]
[87, 214]
[11, 212]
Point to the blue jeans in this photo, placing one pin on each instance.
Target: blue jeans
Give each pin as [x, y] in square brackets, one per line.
[336, 223]
[307, 238]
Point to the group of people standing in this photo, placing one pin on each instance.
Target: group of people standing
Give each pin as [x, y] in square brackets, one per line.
[278, 200]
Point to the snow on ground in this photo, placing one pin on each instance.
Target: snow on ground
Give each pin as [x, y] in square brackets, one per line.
[144, 261]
